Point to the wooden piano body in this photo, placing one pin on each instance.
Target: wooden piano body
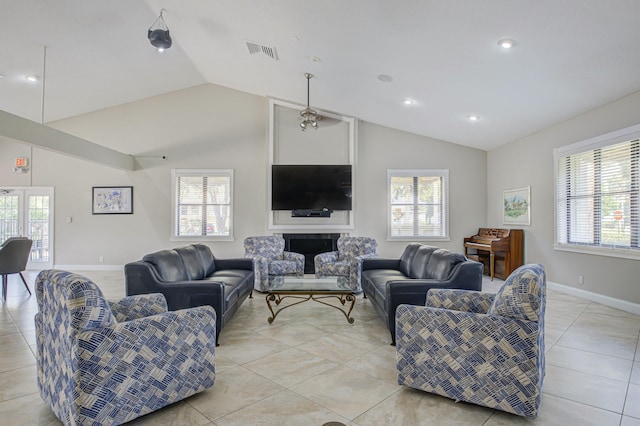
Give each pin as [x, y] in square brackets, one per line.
[500, 250]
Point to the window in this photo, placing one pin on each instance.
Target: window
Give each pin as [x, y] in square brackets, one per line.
[418, 204]
[598, 195]
[202, 204]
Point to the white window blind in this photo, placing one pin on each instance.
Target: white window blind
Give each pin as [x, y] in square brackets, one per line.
[418, 204]
[202, 203]
[598, 197]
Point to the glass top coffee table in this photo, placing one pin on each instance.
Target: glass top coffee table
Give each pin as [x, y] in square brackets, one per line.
[304, 289]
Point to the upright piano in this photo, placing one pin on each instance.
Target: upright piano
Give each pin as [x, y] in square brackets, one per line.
[500, 250]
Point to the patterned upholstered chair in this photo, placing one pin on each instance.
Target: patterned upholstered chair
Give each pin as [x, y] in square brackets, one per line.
[478, 347]
[347, 260]
[270, 260]
[103, 362]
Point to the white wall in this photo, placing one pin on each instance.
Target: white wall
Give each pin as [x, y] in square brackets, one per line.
[214, 127]
[529, 162]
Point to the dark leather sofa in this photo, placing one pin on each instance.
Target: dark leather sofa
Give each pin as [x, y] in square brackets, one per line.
[191, 276]
[388, 283]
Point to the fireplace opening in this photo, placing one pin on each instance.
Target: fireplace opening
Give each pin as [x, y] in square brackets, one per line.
[310, 245]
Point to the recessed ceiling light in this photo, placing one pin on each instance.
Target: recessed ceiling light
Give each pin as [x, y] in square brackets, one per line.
[32, 78]
[409, 101]
[506, 43]
[314, 59]
[385, 78]
[473, 117]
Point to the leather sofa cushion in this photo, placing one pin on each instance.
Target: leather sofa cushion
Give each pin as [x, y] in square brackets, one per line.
[168, 264]
[207, 258]
[233, 280]
[407, 257]
[441, 263]
[192, 262]
[418, 268]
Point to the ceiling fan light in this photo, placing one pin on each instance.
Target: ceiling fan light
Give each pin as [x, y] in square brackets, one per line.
[308, 116]
[158, 34]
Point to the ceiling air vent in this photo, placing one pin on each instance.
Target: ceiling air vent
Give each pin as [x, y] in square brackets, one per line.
[256, 47]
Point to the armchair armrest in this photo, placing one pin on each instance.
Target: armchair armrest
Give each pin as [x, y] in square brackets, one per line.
[459, 300]
[289, 255]
[139, 306]
[327, 257]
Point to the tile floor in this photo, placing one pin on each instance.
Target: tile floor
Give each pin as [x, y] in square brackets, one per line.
[311, 367]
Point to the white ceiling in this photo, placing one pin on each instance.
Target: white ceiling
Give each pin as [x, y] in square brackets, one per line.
[571, 56]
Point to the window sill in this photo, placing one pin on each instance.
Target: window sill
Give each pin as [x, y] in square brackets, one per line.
[414, 238]
[197, 238]
[599, 251]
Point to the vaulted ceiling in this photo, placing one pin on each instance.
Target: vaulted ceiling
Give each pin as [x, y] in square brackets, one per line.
[368, 57]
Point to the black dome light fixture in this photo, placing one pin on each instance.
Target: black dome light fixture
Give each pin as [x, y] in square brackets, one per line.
[309, 117]
[158, 34]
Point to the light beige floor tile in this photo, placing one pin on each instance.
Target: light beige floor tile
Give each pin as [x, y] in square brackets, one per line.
[607, 325]
[223, 363]
[178, 414]
[556, 411]
[621, 347]
[284, 408]
[10, 342]
[629, 421]
[412, 407]
[589, 362]
[379, 363]
[290, 367]
[337, 348]
[17, 383]
[28, 410]
[242, 346]
[632, 404]
[551, 335]
[16, 358]
[344, 391]
[234, 389]
[596, 308]
[585, 388]
[293, 334]
[635, 374]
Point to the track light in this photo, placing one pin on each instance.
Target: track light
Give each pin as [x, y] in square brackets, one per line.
[158, 34]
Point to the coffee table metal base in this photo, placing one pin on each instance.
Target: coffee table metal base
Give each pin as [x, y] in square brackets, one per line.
[277, 298]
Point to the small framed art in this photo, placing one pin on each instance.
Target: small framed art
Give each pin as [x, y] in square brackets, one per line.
[112, 200]
[516, 206]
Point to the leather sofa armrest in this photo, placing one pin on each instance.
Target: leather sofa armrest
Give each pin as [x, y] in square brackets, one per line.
[380, 263]
[235, 263]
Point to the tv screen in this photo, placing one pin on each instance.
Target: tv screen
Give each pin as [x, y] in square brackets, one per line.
[313, 187]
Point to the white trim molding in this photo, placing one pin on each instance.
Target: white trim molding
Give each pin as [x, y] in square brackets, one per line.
[612, 302]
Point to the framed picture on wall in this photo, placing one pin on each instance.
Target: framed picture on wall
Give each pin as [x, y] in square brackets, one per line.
[112, 200]
[516, 206]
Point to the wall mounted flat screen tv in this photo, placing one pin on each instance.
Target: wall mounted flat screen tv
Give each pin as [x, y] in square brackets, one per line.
[313, 187]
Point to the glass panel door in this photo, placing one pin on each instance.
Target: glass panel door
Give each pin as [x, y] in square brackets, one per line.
[27, 212]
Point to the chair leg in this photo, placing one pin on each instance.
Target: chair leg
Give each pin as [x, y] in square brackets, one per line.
[25, 283]
[4, 286]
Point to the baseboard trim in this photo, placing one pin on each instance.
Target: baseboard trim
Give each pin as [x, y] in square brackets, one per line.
[612, 302]
[90, 267]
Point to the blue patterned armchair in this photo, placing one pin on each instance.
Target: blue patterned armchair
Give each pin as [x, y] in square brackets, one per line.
[270, 260]
[477, 347]
[102, 362]
[347, 260]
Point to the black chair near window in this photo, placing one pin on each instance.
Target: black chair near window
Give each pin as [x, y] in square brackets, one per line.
[14, 255]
